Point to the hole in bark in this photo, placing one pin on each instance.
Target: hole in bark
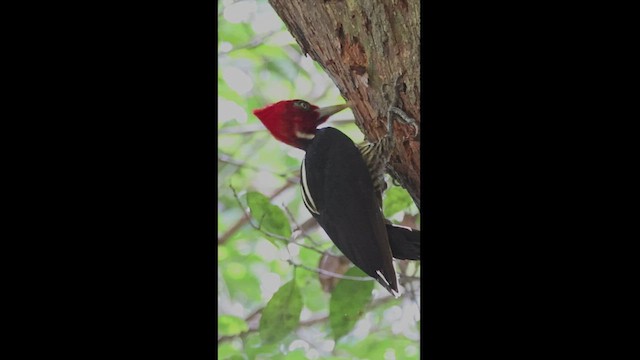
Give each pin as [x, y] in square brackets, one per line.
[358, 69]
[367, 23]
[340, 33]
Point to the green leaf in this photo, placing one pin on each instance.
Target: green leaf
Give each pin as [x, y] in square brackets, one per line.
[261, 53]
[375, 345]
[298, 354]
[255, 349]
[227, 93]
[285, 68]
[268, 217]
[231, 325]
[348, 303]
[396, 200]
[314, 298]
[227, 351]
[241, 282]
[238, 34]
[282, 314]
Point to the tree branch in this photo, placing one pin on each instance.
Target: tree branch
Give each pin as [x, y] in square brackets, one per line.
[243, 220]
[275, 236]
[309, 322]
[224, 158]
[332, 274]
[256, 128]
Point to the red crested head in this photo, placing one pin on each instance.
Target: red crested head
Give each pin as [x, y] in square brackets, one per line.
[294, 122]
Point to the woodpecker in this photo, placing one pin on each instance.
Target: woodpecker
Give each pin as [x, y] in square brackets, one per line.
[337, 181]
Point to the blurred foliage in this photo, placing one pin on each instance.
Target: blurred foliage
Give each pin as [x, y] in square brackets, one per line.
[270, 218]
[348, 302]
[282, 314]
[267, 307]
[231, 325]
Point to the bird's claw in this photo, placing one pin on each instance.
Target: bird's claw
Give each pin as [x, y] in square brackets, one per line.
[405, 119]
[398, 87]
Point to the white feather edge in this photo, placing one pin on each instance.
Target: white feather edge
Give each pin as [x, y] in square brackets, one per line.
[393, 292]
[306, 196]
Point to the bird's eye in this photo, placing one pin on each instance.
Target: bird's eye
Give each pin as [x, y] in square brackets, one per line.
[302, 105]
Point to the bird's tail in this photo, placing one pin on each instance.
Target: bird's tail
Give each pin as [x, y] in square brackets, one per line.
[404, 242]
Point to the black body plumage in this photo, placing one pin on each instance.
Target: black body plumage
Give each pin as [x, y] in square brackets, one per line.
[338, 191]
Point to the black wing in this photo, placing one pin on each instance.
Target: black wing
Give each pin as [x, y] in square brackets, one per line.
[338, 191]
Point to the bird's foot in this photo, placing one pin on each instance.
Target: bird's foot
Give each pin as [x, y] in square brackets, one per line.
[405, 118]
[393, 109]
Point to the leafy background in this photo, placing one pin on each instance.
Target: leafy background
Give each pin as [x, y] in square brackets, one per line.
[271, 302]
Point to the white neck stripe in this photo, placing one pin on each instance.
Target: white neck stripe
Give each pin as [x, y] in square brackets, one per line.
[302, 135]
[306, 194]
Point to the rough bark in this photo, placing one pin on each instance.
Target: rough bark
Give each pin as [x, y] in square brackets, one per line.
[364, 46]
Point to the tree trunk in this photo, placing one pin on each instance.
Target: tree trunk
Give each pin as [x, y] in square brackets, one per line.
[364, 46]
